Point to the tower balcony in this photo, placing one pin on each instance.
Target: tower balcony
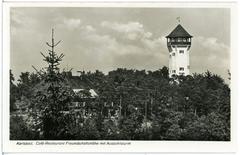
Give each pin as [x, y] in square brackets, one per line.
[177, 43]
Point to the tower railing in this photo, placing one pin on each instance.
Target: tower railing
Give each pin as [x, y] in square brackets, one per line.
[172, 43]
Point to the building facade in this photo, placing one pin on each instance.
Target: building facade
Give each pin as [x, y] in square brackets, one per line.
[179, 43]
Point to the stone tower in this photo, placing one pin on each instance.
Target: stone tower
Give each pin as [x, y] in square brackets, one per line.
[179, 43]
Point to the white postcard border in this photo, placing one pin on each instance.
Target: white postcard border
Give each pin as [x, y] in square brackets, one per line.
[135, 146]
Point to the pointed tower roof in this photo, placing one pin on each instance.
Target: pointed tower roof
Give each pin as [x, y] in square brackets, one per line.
[179, 31]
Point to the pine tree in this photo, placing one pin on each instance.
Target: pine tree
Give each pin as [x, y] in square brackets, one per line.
[50, 109]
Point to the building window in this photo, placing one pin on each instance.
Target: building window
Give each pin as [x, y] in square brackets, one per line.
[188, 67]
[173, 54]
[181, 69]
[179, 39]
[181, 73]
[173, 71]
[181, 51]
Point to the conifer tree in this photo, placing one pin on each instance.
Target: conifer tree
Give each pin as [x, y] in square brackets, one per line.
[52, 100]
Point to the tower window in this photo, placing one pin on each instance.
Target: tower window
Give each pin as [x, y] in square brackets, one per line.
[173, 54]
[173, 71]
[181, 68]
[181, 51]
[179, 39]
[188, 67]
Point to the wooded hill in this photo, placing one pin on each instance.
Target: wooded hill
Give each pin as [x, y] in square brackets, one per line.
[182, 108]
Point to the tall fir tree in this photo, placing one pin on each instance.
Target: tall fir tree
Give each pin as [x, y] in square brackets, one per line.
[52, 99]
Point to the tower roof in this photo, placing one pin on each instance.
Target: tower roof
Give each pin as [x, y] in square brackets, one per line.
[179, 31]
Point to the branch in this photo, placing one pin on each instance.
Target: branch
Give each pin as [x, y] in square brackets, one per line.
[61, 56]
[57, 43]
[39, 72]
[43, 55]
[49, 44]
[35, 69]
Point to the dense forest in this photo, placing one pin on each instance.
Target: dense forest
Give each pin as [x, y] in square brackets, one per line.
[192, 108]
[131, 105]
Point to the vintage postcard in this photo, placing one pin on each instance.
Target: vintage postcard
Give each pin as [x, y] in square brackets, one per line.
[119, 77]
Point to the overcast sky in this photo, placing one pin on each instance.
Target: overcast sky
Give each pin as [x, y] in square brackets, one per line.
[109, 38]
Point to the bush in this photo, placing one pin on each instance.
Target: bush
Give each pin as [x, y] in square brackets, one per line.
[19, 129]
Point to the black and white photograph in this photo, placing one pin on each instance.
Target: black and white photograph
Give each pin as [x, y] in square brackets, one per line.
[120, 73]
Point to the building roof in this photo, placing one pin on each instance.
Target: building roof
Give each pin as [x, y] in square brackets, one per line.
[179, 31]
[92, 92]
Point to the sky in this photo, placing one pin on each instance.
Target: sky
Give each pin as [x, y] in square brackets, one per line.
[109, 38]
